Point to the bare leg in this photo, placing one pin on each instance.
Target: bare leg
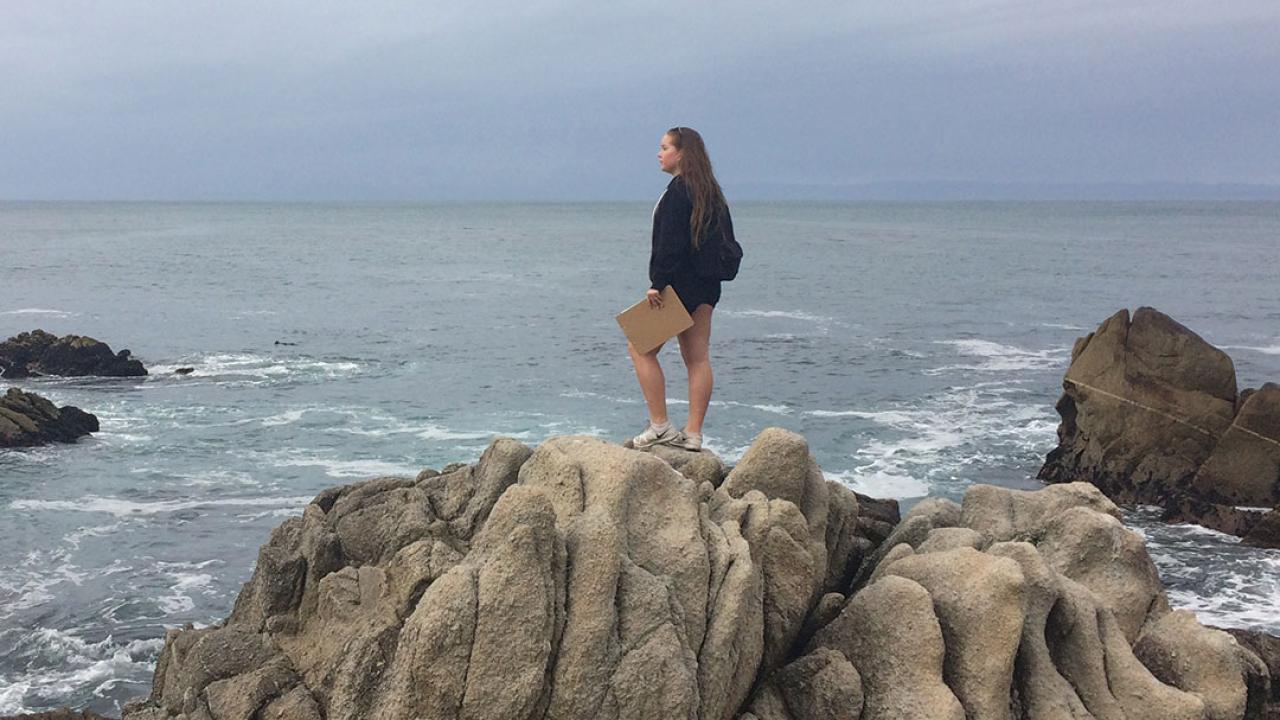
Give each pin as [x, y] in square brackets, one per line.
[652, 382]
[695, 346]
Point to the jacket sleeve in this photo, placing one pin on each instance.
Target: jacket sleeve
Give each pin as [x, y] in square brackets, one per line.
[670, 238]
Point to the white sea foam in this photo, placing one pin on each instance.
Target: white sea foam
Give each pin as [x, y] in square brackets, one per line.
[32, 592]
[219, 478]
[1265, 350]
[881, 484]
[784, 314]
[179, 599]
[435, 432]
[588, 395]
[11, 696]
[77, 665]
[284, 418]
[931, 444]
[125, 438]
[567, 427]
[775, 409]
[254, 369]
[884, 417]
[349, 468]
[1240, 594]
[1224, 582]
[189, 565]
[1062, 326]
[1001, 358]
[40, 311]
[368, 421]
[277, 513]
[729, 454]
[74, 538]
[43, 455]
[131, 508]
[30, 584]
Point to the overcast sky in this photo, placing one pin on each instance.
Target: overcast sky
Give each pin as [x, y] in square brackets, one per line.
[545, 100]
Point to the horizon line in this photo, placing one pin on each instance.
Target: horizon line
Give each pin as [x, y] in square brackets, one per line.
[910, 191]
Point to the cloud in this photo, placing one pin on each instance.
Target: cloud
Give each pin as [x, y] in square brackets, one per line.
[391, 100]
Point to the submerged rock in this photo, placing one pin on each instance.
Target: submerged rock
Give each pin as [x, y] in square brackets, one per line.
[36, 353]
[586, 580]
[26, 420]
[1151, 415]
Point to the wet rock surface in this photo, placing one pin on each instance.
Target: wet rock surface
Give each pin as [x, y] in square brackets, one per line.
[586, 580]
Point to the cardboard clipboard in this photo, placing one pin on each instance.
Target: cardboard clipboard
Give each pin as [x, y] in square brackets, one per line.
[648, 328]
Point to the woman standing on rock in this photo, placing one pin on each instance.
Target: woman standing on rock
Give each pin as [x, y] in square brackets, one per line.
[690, 222]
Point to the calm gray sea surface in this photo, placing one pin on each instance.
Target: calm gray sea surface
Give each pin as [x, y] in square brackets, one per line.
[919, 348]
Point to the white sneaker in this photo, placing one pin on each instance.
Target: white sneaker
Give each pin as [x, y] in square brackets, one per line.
[651, 437]
[687, 441]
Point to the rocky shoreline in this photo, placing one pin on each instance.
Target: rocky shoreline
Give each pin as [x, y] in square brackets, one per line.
[581, 579]
[585, 580]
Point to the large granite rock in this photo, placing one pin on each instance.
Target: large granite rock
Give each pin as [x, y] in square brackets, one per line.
[1143, 404]
[1150, 414]
[586, 580]
[26, 419]
[35, 353]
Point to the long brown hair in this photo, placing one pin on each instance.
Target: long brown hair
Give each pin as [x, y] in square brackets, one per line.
[695, 170]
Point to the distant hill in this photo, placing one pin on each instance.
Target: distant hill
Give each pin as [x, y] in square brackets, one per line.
[1010, 191]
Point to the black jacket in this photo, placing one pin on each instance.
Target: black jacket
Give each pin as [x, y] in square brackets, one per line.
[673, 258]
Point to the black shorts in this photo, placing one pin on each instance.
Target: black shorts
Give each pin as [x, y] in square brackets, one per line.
[695, 291]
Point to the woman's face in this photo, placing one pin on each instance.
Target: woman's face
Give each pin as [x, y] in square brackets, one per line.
[669, 156]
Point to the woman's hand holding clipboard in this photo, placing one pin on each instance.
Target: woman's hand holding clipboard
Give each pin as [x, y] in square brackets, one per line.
[655, 319]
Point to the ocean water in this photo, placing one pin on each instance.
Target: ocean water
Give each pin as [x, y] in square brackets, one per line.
[919, 348]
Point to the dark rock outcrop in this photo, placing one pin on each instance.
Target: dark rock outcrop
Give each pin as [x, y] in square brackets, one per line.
[26, 419]
[586, 580]
[36, 353]
[1150, 414]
